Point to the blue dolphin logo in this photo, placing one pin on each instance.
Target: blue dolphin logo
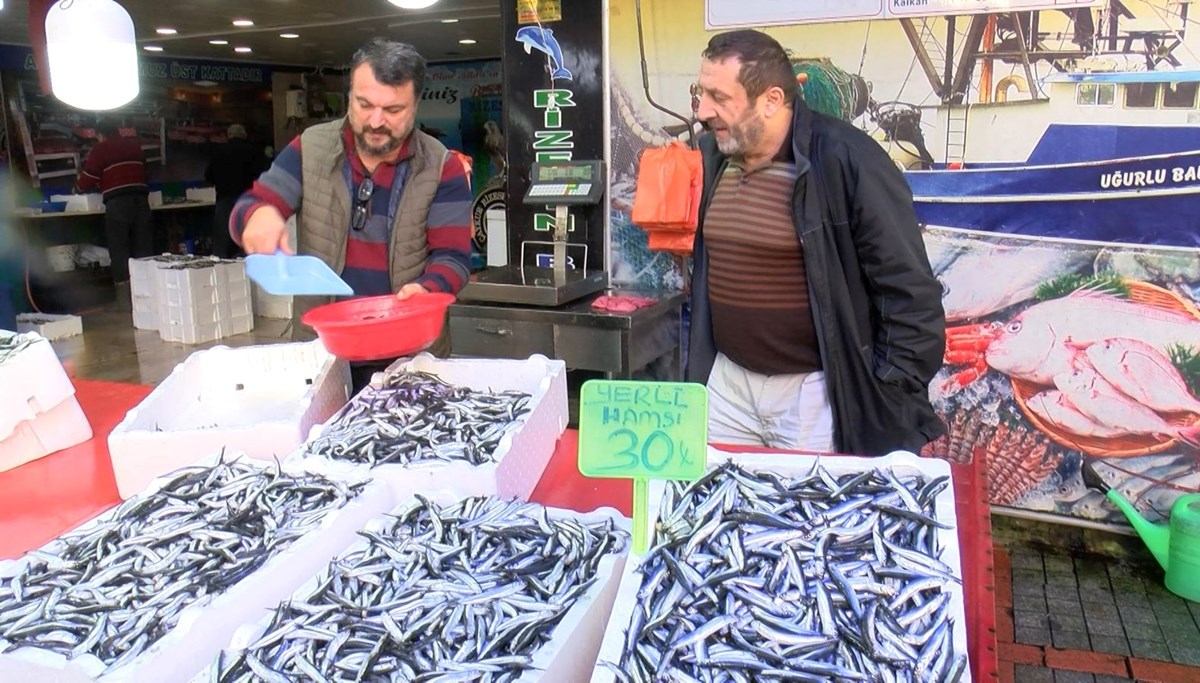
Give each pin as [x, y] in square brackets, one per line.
[543, 40]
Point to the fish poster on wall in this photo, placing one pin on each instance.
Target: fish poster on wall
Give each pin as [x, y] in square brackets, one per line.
[1064, 352]
[1060, 202]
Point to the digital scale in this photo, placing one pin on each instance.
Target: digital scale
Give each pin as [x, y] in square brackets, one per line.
[560, 185]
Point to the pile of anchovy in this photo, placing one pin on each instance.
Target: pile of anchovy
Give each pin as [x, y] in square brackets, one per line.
[13, 344]
[117, 587]
[462, 593]
[758, 576]
[416, 416]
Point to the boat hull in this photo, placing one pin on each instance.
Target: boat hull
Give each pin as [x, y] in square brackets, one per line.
[1140, 200]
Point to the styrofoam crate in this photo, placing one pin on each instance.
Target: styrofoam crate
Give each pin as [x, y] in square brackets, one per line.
[900, 462]
[193, 314]
[206, 625]
[271, 305]
[569, 654]
[202, 194]
[232, 271]
[522, 454]
[31, 382]
[180, 284]
[50, 326]
[259, 400]
[62, 426]
[238, 324]
[189, 334]
[146, 320]
[236, 308]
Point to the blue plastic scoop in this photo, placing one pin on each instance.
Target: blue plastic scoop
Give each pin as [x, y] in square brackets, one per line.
[284, 274]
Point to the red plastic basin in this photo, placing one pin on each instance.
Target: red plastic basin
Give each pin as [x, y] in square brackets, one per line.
[380, 327]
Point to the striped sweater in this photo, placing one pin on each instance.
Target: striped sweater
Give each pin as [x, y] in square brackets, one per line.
[448, 227]
[115, 167]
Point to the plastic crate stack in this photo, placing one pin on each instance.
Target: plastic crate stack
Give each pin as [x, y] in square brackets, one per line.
[191, 299]
[38, 411]
[270, 305]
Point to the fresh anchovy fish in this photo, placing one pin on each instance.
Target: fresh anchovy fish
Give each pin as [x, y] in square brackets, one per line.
[416, 416]
[467, 592]
[815, 578]
[13, 344]
[116, 588]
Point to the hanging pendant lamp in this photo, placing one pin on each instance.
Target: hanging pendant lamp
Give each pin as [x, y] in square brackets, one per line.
[92, 54]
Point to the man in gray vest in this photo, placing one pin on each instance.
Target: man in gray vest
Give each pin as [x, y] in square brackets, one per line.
[385, 205]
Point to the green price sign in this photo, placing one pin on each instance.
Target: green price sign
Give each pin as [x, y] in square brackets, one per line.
[643, 431]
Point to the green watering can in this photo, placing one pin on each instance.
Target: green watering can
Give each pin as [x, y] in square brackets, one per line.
[1176, 545]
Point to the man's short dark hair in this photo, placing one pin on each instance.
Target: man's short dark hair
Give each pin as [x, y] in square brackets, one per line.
[765, 63]
[108, 128]
[394, 63]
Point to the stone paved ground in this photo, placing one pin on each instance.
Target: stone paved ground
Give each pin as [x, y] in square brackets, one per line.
[1092, 619]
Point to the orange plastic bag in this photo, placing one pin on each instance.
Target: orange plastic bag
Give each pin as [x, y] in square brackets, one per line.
[669, 183]
[673, 242]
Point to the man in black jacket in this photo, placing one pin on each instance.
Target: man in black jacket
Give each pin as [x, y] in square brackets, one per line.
[232, 170]
[816, 320]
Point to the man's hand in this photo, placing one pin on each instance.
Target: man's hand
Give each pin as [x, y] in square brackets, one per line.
[411, 289]
[266, 232]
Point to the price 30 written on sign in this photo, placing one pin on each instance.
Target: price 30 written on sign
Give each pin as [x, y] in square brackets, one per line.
[652, 430]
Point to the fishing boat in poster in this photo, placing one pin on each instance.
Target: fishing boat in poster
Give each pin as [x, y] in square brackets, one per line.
[1099, 140]
[1093, 181]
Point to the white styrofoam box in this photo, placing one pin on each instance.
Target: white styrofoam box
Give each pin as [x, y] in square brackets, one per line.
[233, 271]
[145, 313]
[145, 320]
[236, 308]
[522, 454]
[202, 194]
[62, 257]
[193, 334]
[92, 201]
[900, 462]
[271, 305]
[182, 283]
[31, 382]
[50, 326]
[206, 625]
[62, 426]
[259, 400]
[238, 324]
[569, 654]
[190, 314]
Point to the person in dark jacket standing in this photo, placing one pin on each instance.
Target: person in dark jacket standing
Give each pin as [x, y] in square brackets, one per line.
[816, 320]
[116, 166]
[231, 171]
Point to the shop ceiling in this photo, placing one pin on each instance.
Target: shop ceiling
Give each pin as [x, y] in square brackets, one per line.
[328, 32]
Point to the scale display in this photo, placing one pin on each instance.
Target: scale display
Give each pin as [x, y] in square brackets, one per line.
[566, 182]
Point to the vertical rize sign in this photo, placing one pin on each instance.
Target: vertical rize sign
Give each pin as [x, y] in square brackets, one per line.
[554, 111]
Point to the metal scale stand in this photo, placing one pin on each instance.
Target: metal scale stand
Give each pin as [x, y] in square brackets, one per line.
[561, 185]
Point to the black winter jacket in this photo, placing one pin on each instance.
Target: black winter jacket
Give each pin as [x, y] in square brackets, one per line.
[876, 305]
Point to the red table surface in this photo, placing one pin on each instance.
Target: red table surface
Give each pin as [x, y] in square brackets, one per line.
[41, 499]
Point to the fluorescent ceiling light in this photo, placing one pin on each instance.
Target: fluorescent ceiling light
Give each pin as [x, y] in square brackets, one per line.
[92, 54]
[466, 41]
[289, 35]
[218, 42]
[165, 31]
[449, 21]
[413, 4]
[241, 49]
[242, 22]
[152, 48]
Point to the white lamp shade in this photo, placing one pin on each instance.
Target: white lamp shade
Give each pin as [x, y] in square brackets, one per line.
[413, 4]
[92, 54]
